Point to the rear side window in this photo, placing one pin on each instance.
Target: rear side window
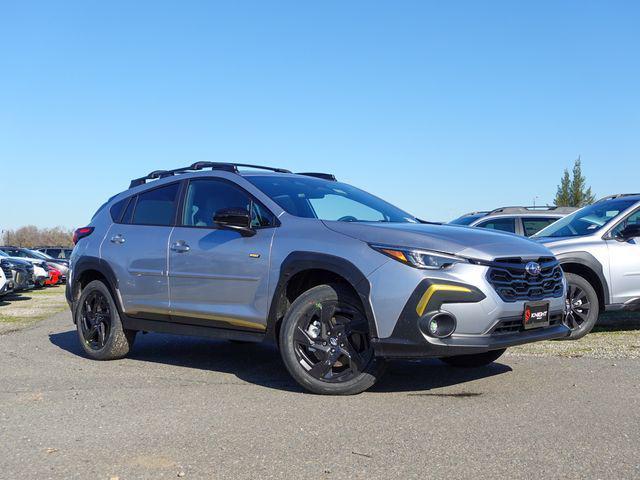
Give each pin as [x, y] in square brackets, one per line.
[534, 225]
[128, 214]
[117, 208]
[157, 206]
[501, 224]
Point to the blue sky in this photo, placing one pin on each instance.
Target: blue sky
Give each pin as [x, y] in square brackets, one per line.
[439, 107]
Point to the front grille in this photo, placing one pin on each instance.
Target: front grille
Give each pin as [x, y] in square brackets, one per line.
[515, 324]
[513, 283]
[7, 272]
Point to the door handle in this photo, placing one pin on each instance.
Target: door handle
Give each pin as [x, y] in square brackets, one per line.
[180, 247]
[117, 239]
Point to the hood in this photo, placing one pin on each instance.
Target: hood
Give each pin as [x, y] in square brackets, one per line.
[478, 243]
[565, 244]
[17, 261]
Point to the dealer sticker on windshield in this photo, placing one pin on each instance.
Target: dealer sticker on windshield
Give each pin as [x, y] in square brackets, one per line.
[536, 315]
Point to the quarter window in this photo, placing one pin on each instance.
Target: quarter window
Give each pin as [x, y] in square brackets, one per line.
[157, 206]
[501, 224]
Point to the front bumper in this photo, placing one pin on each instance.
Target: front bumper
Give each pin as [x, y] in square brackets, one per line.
[462, 344]
[484, 321]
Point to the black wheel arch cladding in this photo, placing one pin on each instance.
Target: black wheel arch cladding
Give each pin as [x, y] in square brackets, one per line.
[300, 261]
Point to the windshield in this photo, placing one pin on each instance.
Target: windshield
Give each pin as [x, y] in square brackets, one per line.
[586, 220]
[37, 254]
[327, 200]
[467, 219]
[3, 254]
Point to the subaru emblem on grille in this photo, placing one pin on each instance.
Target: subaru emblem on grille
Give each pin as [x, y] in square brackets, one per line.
[533, 268]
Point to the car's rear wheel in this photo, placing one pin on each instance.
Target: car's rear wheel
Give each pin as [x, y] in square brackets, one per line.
[583, 306]
[99, 326]
[325, 342]
[474, 360]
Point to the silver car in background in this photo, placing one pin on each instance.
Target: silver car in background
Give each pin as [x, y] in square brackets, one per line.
[599, 250]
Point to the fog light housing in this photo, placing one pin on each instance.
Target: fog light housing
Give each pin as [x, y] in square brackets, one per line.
[438, 325]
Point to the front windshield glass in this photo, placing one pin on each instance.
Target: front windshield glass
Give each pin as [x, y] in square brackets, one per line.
[40, 255]
[327, 200]
[3, 254]
[586, 220]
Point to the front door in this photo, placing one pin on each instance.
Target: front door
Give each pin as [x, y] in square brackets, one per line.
[219, 277]
[624, 258]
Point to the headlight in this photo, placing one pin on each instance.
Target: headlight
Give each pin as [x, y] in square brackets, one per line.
[417, 258]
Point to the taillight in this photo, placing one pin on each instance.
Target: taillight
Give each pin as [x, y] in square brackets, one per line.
[81, 233]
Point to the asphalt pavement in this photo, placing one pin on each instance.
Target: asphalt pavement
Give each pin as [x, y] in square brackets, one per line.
[183, 407]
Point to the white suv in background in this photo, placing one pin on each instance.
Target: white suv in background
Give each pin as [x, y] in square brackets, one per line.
[525, 221]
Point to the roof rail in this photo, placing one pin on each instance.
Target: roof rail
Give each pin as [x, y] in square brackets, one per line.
[536, 208]
[618, 195]
[323, 176]
[194, 167]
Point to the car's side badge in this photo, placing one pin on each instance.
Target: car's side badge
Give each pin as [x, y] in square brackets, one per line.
[254, 255]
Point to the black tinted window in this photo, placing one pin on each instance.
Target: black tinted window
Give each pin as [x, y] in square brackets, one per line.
[157, 206]
[54, 252]
[501, 224]
[534, 225]
[205, 197]
[116, 209]
[128, 214]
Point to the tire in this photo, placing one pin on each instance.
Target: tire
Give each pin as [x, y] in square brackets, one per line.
[325, 342]
[98, 323]
[475, 360]
[585, 306]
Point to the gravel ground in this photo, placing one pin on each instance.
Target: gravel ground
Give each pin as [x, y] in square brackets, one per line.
[22, 309]
[183, 407]
[616, 335]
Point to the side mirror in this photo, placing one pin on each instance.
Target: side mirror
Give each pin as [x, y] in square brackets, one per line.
[629, 232]
[237, 219]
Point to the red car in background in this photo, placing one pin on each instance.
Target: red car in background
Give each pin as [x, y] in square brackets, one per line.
[54, 277]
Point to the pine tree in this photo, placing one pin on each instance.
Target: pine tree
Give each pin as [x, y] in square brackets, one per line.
[580, 194]
[563, 195]
[573, 192]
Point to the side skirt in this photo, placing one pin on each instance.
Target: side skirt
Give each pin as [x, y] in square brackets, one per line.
[160, 326]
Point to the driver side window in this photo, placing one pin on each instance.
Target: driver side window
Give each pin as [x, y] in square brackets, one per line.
[633, 219]
[206, 196]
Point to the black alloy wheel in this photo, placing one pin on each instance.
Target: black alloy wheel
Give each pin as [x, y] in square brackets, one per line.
[95, 320]
[331, 342]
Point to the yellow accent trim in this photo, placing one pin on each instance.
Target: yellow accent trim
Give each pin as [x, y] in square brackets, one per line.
[437, 287]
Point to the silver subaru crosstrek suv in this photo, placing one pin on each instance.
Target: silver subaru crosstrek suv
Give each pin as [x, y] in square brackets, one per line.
[338, 278]
[599, 250]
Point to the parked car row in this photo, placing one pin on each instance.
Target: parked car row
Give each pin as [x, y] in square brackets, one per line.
[23, 269]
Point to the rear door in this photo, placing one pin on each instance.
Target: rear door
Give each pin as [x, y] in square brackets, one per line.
[136, 249]
[218, 277]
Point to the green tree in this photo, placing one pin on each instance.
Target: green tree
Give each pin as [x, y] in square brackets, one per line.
[563, 194]
[573, 190]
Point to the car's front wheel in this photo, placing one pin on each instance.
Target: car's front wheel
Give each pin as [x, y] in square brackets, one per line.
[99, 326]
[583, 306]
[325, 342]
[474, 360]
